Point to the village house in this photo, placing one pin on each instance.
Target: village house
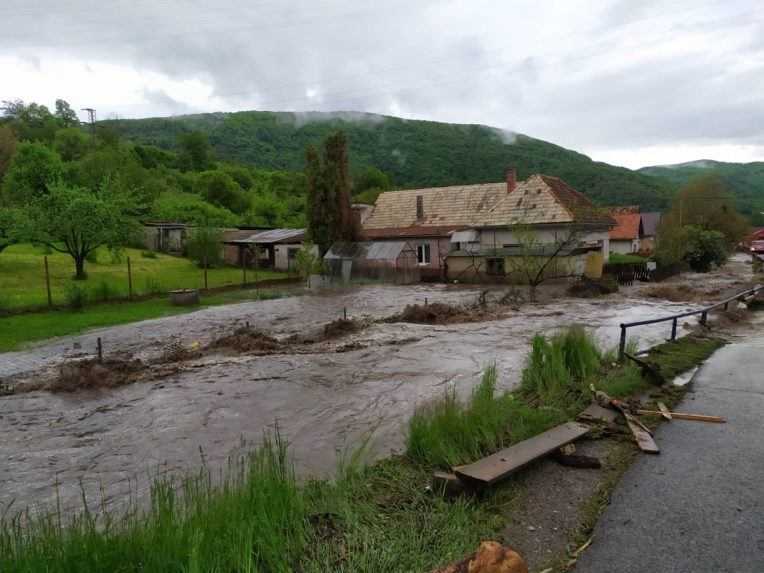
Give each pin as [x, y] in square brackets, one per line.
[477, 232]
[275, 248]
[165, 236]
[634, 232]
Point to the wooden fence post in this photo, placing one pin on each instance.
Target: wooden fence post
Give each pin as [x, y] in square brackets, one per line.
[47, 283]
[129, 280]
[100, 350]
[205, 271]
[673, 329]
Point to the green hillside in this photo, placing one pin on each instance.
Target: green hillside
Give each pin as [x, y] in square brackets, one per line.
[745, 180]
[413, 153]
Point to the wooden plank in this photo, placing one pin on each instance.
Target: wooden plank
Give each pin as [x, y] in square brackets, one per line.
[644, 439]
[682, 416]
[493, 468]
[664, 410]
[596, 413]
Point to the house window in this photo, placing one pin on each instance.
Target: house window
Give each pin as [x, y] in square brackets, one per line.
[495, 267]
[423, 254]
[419, 207]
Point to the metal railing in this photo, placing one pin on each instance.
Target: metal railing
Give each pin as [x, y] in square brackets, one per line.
[703, 312]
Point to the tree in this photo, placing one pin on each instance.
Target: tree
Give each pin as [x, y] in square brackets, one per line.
[33, 168]
[308, 262]
[71, 144]
[220, 189]
[538, 261]
[266, 210]
[9, 219]
[77, 220]
[704, 248]
[195, 154]
[328, 211]
[705, 203]
[31, 122]
[205, 246]
[371, 178]
[65, 114]
[190, 208]
[7, 149]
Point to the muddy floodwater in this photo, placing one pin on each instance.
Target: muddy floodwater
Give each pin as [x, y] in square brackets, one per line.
[325, 403]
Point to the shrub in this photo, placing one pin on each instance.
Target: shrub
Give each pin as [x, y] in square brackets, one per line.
[149, 255]
[104, 291]
[704, 248]
[153, 286]
[205, 247]
[92, 257]
[76, 296]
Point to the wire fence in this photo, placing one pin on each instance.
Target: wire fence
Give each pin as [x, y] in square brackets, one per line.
[49, 283]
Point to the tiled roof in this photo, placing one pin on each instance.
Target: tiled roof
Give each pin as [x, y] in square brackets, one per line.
[545, 200]
[627, 227]
[410, 232]
[273, 236]
[443, 207]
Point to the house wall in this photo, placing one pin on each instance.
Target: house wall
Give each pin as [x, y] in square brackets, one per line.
[497, 238]
[647, 244]
[164, 240]
[283, 261]
[474, 269]
[624, 247]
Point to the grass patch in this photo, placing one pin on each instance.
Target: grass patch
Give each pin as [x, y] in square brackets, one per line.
[674, 358]
[18, 329]
[22, 275]
[378, 519]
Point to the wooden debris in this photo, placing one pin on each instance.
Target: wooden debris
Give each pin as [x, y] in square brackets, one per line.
[446, 483]
[491, 557]
[649, 371]
[568, 449]
[682, 416]
[596, 413]
[664, 410]
[644, 438]
[576, 460]
[498, 466]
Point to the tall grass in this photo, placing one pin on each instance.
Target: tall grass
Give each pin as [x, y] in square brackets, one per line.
[448, 432]
[258, 519]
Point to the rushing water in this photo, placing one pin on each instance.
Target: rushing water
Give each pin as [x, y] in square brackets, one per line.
[113, 440]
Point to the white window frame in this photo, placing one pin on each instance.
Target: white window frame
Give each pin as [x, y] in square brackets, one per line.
[423, 254]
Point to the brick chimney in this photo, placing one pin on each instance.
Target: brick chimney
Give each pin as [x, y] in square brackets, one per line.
[511, 174]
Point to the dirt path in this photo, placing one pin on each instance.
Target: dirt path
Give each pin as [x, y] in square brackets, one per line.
[324, 403]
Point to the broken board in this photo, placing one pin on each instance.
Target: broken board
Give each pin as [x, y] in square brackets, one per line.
[644, 439]
[496, 467]
[596, 413]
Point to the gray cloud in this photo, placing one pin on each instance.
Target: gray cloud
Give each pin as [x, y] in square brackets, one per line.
[626, 75]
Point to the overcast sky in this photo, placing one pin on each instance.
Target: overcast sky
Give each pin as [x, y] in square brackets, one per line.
[630, 82]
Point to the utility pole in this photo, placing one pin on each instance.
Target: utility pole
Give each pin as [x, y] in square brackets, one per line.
[91, 119]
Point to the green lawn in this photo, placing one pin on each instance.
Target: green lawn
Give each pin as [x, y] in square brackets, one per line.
[22, 276]
[619, 259]
[16, 330]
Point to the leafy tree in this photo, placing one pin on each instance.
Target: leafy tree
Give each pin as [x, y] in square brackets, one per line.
[77, 220]
[241, 175]
[7, 149]
[9, 219]
[205, 246]
[371, 178]
[705, 203]
[33, 168]
[65, 114]
[704, 248]
[190, 208]
[329, 215]
[219, 188]
[71, 143]
[32, 122]
[266, 210]
[195, 152]
[308, 262]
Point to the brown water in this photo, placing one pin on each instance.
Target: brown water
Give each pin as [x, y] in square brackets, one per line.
[324, 403]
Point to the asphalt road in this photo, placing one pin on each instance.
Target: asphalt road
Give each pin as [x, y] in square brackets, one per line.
[698, 506]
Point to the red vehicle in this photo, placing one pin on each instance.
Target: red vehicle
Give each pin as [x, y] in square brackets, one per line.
[757, 247]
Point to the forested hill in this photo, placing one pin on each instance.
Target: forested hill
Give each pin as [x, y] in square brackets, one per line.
[745, 180]
[413, 153]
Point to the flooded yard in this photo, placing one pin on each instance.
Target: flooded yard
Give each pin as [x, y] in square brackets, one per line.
[324, 402]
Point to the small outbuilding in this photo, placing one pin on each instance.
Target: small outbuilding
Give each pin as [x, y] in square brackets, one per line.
[389, 261]
[275, 248]
[165, 236]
